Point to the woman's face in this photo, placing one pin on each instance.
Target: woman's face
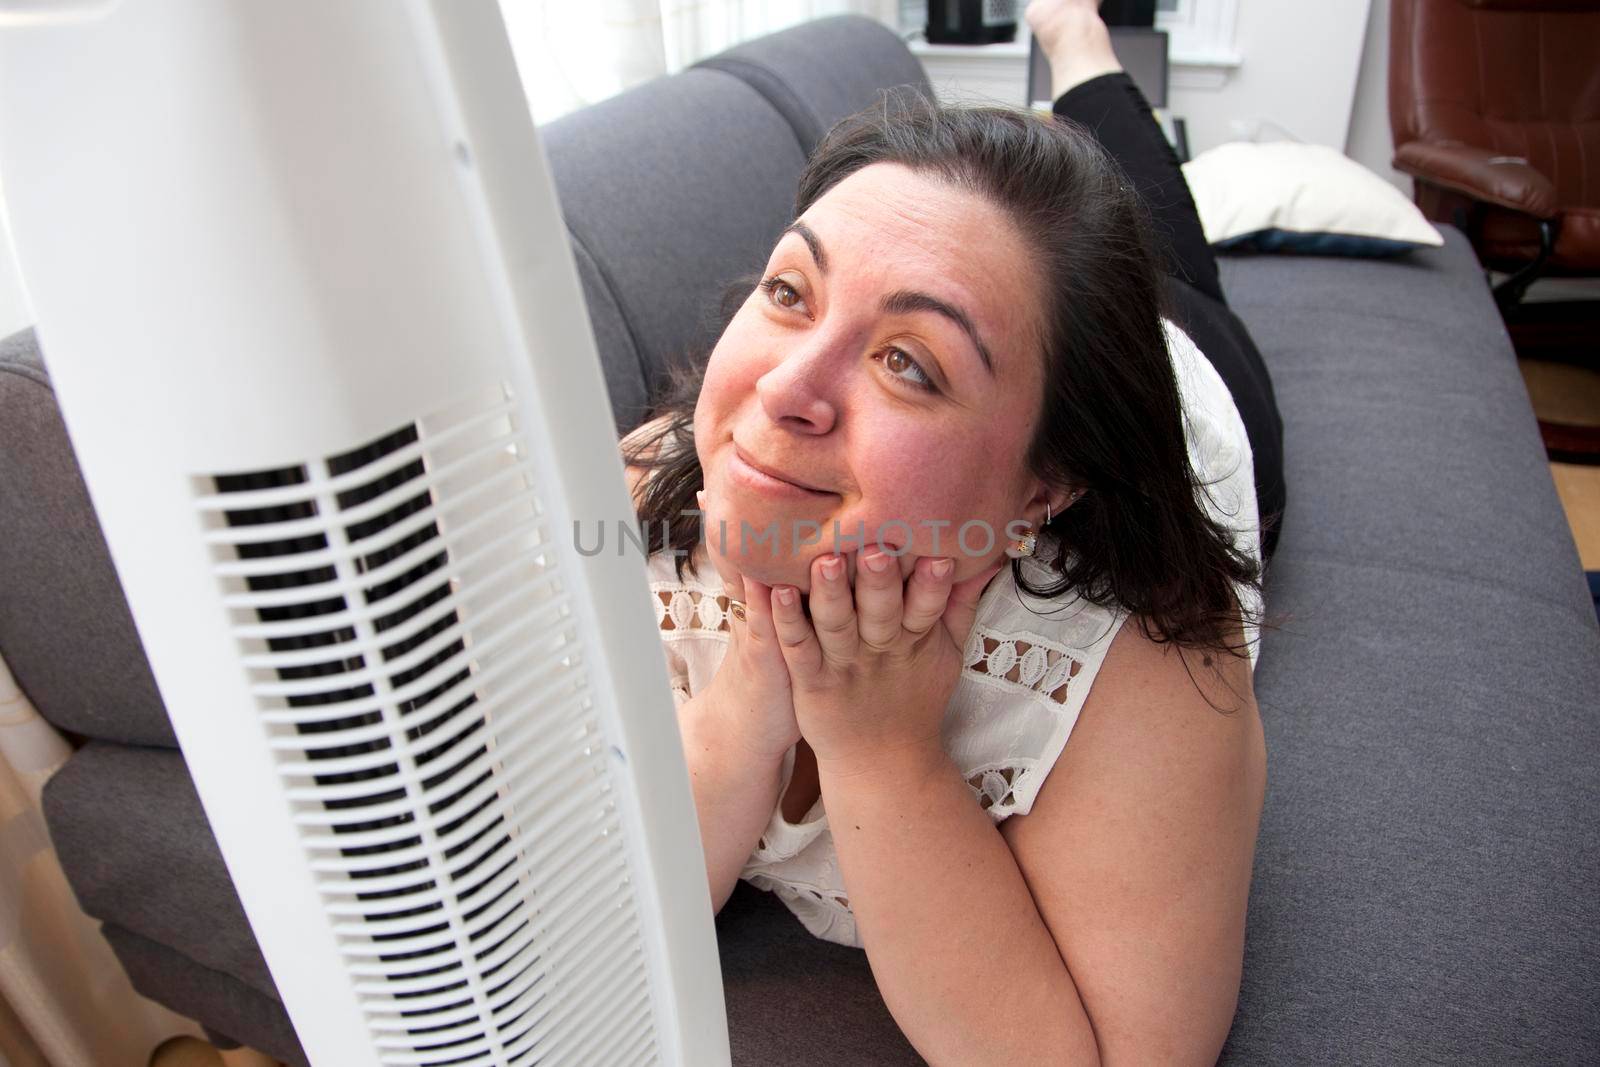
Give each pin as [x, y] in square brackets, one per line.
[891, 364]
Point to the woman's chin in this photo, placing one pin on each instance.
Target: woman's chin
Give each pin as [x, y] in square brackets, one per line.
[779, 570]
[762, 545]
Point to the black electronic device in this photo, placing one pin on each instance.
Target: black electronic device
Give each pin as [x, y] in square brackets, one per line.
[972, 21]
[1128, 12]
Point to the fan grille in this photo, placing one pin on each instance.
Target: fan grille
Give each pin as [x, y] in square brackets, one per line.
[421, 683]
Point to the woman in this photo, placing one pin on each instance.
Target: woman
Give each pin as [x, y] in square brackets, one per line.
[962, 331]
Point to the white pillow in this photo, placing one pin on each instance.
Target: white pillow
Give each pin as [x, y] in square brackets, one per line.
[1282, 196]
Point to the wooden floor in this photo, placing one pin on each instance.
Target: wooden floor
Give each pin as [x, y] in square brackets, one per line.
[1571, 394]
[1580, 495]
[192, 1052]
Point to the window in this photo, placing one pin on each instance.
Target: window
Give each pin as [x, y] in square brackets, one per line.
[1201, 31]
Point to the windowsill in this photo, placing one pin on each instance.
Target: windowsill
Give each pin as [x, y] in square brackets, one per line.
[1208, 59]
[1220, 58]
[1011, 49]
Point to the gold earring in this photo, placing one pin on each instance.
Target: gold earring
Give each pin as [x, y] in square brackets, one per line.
[1023, 547]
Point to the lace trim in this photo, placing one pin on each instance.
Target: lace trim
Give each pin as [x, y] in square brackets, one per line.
[835, 898]
[680, 610]
[820, 894]
[996, 787]
[1030, 665]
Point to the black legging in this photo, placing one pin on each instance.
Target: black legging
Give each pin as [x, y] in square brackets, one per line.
[1115, 112]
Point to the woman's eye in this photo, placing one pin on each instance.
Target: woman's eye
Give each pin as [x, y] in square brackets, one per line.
[781, 292]
[896, 362]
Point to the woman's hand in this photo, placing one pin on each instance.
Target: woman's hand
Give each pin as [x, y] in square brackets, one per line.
[873, 671]
[751, 691]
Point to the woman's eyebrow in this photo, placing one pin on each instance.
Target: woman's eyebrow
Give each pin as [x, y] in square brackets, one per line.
[812, 242]
[906, 301]
[903, 302]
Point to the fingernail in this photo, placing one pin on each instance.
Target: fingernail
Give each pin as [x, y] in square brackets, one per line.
[941, 567]
[785, 596]
[878, 562]
[700, 499]
[831, 568]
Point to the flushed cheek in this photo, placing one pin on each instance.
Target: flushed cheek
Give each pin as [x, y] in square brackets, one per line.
[928, 501]
[733, 369]
[719, 396]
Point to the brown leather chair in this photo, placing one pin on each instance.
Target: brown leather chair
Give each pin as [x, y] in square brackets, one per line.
[1495, 109]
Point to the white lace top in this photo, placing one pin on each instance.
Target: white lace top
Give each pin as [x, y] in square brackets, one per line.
[1028, 668]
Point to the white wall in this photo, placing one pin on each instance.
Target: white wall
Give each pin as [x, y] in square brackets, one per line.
[1370, 142]
[15, 312]
[1298, 72]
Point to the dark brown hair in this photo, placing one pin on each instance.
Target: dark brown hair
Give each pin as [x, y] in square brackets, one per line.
[1109, 417]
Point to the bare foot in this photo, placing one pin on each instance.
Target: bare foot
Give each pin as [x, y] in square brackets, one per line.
[1074, 39]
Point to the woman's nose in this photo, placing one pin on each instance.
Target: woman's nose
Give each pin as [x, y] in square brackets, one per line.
[800, 390]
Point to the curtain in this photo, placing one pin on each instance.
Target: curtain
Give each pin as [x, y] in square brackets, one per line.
[64, 999]
[571, 53]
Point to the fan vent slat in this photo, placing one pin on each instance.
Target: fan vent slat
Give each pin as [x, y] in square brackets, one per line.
[420, 682]
[526, 747]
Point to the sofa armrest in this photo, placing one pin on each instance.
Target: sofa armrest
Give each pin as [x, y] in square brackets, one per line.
[1507, 181]
[1534, 6]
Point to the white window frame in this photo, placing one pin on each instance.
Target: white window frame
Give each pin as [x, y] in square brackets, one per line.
[1201, 33]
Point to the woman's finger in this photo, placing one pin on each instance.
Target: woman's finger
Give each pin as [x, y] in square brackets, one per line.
[798, 642]
[880, 600]
[758, 625]
[962, 610]
[905, 559]
[833, 608]
[927, 594]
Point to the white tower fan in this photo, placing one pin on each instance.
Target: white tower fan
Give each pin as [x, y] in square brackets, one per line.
[305, 294]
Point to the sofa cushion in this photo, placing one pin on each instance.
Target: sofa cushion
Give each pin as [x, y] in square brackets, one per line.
[1422, 880]
[818, 72]
[139, 852]
[1404, 409]
[654, 251]
[230, 1007]
[1424, 873]
[65, 628]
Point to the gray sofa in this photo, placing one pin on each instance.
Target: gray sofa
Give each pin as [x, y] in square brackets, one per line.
[1425, 879]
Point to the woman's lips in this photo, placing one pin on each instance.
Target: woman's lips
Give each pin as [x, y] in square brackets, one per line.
[747, 474]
